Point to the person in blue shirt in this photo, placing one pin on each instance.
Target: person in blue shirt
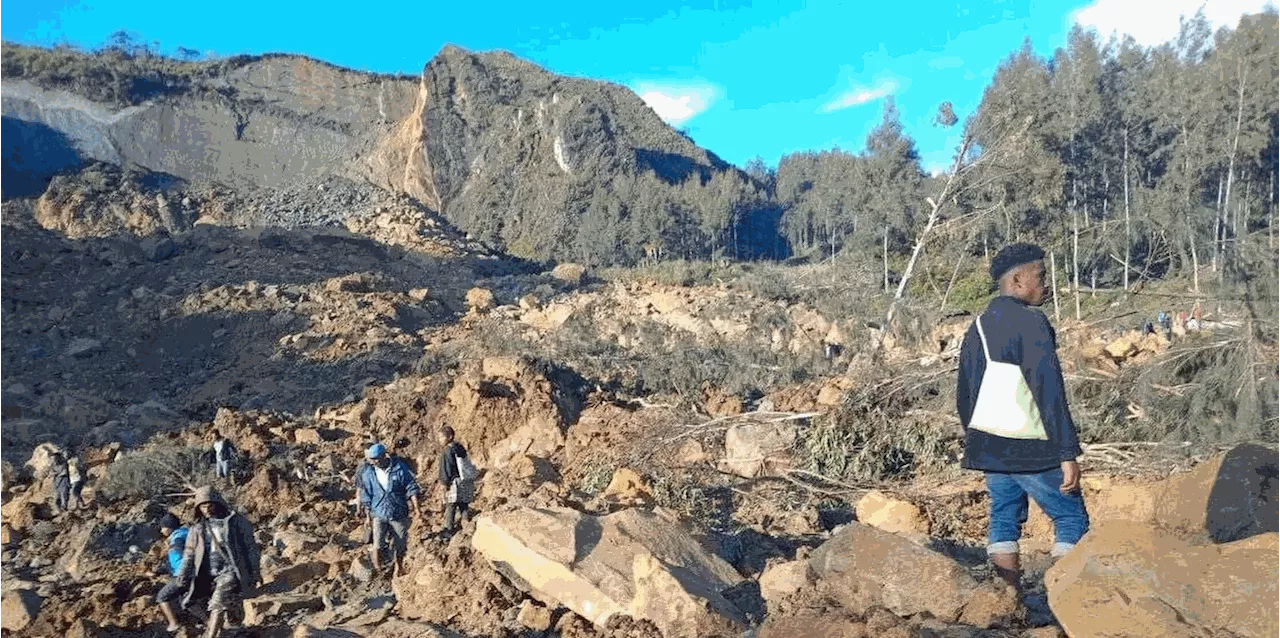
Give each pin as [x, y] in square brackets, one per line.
[385, 486]
[1020, 457]
[176, 534]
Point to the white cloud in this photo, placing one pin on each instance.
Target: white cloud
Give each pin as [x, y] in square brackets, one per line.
[860, 95]
[1154, 23]
[676, 103]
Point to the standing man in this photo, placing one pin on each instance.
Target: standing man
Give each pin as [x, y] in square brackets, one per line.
[459, 490]
[220, 560]
[61, 473]
[75, 474]
[385, 486]
[1013, 405]
[224, 455]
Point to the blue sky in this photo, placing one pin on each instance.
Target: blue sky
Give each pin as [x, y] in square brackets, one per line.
[745, 78]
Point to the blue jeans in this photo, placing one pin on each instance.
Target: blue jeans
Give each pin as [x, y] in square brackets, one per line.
[1009, 509]
[224, 468]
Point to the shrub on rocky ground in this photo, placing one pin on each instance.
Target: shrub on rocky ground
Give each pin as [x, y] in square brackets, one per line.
[154, 470]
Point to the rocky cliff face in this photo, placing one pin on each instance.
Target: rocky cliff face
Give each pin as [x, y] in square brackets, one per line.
[267, 122]
[540, 164]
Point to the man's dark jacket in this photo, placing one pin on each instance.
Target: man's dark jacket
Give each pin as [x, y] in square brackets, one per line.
[1021, 335]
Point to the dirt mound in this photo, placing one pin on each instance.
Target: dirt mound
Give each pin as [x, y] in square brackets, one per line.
[505, 408]
[104, 200]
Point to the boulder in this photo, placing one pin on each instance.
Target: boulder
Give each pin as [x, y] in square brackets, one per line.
[812, 625]
[1136, 579]
[862, 558]
[19, 608]
[627, 485]
[534, 616]
[758, 449]
[296, 575]
[82, 347]
[9, 536]
[258, 610]
[293, 545]
[633, 563]
[690, 454]
[780, 580]
[1229, 497]
[569, 273]
[882, 511]
[480, 299]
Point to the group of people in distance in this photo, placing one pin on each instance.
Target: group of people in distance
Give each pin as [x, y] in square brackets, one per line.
[216, 559]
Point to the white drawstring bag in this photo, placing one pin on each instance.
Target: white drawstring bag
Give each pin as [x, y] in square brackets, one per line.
[1005, 406]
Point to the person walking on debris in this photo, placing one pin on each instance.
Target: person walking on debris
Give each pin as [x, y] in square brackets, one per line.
[1013, 405]
[61, 472]
[176, 536]
[385, 487]
[221, 560]
[458, 476]
[224, 455]
[75, 474]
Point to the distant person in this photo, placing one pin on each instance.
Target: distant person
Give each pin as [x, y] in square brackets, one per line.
[458, 476]
[176, 537]
[220, 560]
[76, 476]
[61, 473]
[1013, 405]
[224, 455]
[385, 487]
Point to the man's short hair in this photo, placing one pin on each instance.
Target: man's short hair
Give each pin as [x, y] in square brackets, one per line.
[447, 431]
[1012, 256]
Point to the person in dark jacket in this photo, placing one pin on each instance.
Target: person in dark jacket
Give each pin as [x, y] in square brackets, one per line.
[459, 492]
[1018, 428]
[220, 560]
[385, 487]
[61, 472]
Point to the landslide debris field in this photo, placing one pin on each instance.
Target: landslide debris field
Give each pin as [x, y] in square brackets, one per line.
[673, 450]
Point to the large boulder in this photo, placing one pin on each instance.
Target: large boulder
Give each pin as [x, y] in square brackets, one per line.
[630, 563]
[1135, 579]
[906, 577]
[19, 608]
[1229, 497]
[758, 449]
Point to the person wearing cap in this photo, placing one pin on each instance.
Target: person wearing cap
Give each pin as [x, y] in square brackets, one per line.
[176, 535]
[385, 486]
[1012, 403]
[220, 560]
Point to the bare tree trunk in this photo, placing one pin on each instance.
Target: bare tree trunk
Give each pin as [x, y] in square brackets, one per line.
[911, 264]
[1075, 257]
[884, 256]
[1053, 273]
[1195, 265]
[1271, 209]
[1217, 227]
[954, 273]
[1235, 145]
[1128, 236]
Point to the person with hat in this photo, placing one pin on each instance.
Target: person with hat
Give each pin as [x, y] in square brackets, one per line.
[176, 536]
[385, 486]
[1012, 403]
[221, 560]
